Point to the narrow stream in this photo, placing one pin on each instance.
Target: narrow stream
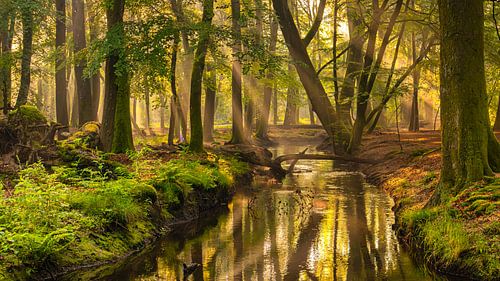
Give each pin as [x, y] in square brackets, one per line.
[322, 223]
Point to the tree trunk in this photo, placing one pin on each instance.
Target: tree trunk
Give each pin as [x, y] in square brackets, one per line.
[187, 64]
[61, 82]
[275, 107]
[314, 89]
[249, 83]
[496, 126]
[6, 67]
[238, 135]
[209, 115]
[95, 80]
[147, 108]
[173, 122]
[27, 21]
[83, 88]
[74, 98]
[116, 135]
[162, 114]
[291, 106]
[263, 118]
[414, 115]
[354, 66]
[467, 139]
[39, 95]
[196, 142]
[134, 113]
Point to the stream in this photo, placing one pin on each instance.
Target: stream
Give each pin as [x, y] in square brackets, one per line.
[322, 223]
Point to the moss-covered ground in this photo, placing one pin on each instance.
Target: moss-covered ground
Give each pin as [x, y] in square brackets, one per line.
[460, 237]
[55, 219]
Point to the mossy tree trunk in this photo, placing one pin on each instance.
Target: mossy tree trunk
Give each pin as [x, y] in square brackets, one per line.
[116, 134]
[27, 52]
[196, 141]
[469, 149]
[7, 35]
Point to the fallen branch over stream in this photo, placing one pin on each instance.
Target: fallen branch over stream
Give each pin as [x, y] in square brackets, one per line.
[300, 156]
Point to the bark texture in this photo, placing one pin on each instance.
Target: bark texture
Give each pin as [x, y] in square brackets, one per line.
[467, 138]
[116, 126]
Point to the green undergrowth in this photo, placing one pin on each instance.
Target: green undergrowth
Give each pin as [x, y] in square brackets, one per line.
[70, 216]
[461, 236]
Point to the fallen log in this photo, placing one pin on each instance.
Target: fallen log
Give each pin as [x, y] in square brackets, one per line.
[289, 157]
[294, 161]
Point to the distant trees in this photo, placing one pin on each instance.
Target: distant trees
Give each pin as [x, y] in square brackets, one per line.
[156, 54]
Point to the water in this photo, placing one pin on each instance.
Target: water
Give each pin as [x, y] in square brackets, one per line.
[336, 228]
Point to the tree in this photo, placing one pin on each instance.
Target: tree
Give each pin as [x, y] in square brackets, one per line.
[95, 82]
[371, 67]
[83, 86]
[353, 69]
[116, 133]
[196, 142]
[210, 81]
[61, 83]
[238, 135]
[7, 25]
[469, 148]
[263, 119]
[313, 86]
[27, 19]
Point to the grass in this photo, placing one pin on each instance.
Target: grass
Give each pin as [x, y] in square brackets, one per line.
[461, 236]
[68, 216]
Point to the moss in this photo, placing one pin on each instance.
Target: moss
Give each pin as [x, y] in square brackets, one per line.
[27, 114]
[447, 242]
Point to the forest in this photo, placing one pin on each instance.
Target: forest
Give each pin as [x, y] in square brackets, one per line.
[249, 140]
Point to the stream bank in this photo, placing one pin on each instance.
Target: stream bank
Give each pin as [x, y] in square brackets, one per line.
[459, 238]
[69, 217]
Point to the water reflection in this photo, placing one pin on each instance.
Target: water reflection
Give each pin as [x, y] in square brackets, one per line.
[321, 225]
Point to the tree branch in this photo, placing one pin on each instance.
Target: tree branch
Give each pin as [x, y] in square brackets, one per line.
[317, 22]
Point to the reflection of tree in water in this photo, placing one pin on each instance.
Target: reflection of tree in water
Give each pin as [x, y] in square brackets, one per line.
[197, 257]
[360, 264]
[237, 239]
